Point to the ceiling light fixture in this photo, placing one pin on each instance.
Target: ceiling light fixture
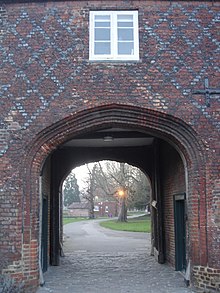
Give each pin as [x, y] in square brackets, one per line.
[108, 138]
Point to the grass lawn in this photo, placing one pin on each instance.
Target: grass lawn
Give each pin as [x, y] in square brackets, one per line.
[139, 224]
[136, 213]
[72, 220]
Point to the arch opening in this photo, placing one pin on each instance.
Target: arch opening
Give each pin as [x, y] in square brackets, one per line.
[100, 187]
[142, 151]
[163, 147]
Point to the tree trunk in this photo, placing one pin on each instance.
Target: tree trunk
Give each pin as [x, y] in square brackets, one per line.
[91, 209]
[123, 212]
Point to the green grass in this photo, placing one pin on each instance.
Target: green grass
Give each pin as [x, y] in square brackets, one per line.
[136, 213]
[139, 224]
[72, 220]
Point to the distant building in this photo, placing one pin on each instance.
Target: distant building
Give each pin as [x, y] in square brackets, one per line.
[106, 208]
[78, 209]
[101, 209]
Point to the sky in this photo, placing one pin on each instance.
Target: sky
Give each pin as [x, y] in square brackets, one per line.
[81, 174]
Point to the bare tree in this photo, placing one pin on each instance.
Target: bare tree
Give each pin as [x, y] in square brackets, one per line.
[125, 183]
[120, 182]
[90, 187]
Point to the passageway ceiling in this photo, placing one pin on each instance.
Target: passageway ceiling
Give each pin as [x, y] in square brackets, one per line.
[117, 144]
[112, 137]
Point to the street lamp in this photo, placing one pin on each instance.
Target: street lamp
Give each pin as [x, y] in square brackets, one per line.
[121, 193]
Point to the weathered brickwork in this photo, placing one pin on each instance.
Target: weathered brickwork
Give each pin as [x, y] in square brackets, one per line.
[27, 268]
[50, 91]
[207, 278]
[3, 21]
[172, 183]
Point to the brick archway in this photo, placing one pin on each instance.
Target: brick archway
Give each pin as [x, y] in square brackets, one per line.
[170, 128]
[173, 130]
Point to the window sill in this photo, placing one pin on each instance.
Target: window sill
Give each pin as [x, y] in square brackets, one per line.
[118, 62]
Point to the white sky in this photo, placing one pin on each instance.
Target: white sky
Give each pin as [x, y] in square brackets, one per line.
[81, 173]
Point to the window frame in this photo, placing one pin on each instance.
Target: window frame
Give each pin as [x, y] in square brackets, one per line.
[114, 56]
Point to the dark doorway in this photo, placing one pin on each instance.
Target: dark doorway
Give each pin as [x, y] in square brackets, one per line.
[44, 239]
[180, 232]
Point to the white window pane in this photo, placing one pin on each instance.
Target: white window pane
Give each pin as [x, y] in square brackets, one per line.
[125, 24]
[114, 35]
[126, 48]
[102, 48]
[102, 24]
[125, 17]
[125, 34]
[102, 34]
[102, 17]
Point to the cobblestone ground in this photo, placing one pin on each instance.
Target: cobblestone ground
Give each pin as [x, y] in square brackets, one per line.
[84, 272]
[103, 262]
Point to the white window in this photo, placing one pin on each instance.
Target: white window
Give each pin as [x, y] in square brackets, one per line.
[114, 35]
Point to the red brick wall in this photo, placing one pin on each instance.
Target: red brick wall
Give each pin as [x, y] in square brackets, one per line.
[78, 212]
[47, 83]
[109, 209]
[172, 182]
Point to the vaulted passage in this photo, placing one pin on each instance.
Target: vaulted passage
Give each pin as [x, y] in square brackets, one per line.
[156, 157]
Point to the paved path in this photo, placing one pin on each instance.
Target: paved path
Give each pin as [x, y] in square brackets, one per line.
[99, 260]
